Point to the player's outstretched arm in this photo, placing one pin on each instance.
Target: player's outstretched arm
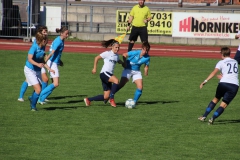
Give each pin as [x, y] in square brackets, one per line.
[96, 59]
[211, 75]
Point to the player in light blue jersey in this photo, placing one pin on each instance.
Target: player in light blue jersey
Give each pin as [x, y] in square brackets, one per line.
[34, 63]
[53, 59]
[24, 86]
[227, 87]
[109, 80]
[133, 61]
[237, 55]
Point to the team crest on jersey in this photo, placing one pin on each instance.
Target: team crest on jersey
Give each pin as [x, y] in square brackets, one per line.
[112, 61]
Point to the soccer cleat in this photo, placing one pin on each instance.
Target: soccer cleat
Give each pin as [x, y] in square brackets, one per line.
[46, 100]
[202, 118]
[87, 102]
[34, 109]
[20, 99]
[210, 121]
[40, 102]
[112, 103]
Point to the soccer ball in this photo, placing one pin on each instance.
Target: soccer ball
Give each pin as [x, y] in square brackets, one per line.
[130, 104]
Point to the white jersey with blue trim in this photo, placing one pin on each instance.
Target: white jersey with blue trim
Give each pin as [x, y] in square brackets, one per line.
[134, 60]
[110, 59]
[229, 70]
[38, 55]
[58, 46]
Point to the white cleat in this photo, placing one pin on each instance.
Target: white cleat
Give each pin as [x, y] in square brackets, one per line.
[20, 99]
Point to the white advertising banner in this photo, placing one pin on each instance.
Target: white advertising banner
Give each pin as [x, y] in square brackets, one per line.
[205, 25]
[50, 17]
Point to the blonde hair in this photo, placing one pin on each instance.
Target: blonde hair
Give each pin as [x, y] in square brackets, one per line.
[41, 39]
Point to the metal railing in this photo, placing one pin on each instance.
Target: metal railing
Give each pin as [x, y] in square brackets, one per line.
[19, 22]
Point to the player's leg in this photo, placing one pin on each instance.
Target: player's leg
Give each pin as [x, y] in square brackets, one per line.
[106, 90]
[44, 79]
[114, 80]
[209, 108]
[230, 92]
[23, 89]
[35, 96]
[48, 90]
[33, 79]
[218, 95]
[132, 38]
[126, 75]
[55, 78]
[137, 79]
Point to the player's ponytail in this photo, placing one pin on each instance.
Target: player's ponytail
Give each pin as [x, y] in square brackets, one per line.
[61, 30]
[109, 42]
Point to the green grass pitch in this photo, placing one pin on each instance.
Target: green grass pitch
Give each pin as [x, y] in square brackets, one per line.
[164, 124]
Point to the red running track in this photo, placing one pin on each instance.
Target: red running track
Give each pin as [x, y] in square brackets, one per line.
[156, 49]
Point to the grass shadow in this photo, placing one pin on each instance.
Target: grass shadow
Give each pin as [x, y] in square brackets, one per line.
[227, 121]
[63, 97]
[148, 102]
[62, 108]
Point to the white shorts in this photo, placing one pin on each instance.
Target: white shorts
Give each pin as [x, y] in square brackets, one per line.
[132, 74]
[43, 70]
[32, 77]
[54, 67]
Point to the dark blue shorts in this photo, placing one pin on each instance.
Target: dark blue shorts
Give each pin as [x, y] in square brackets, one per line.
[138, 31]
[226, 90]
[104, 78]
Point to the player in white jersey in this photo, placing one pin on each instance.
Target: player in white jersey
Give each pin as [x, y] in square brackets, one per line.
[132, 63]
[44, 82]
[237, 55]
[227, 87]
[109, 81]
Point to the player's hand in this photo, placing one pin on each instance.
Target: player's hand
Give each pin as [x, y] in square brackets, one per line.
[94, 71]
[145, 20]
[128, 28]
[40, 65]
[202, 84]
[219, 76]
[51, 70]
[237, 36]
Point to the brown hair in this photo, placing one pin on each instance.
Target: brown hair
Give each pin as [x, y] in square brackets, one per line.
[41, 28]
[225, 51]
[62, 29]
[146, 45]
[108, 43]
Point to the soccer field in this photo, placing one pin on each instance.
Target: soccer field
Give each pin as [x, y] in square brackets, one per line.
[164, 124]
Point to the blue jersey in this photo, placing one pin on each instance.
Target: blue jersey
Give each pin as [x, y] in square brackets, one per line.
[134, 61]
[58, 46]
[35, 42]
[38, 55]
